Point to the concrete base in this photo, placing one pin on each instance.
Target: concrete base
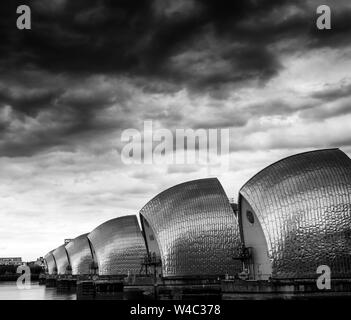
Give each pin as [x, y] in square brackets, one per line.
[148, 288]
[85, 290]
[188, 289]
[145, 288]
[42, 279]
[51, 281]
[66, 284]
[100, 290]
[282, 289]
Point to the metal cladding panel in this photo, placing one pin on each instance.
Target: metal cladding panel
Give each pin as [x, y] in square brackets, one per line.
[119, 246]
[304, 206]
[50, 262]
[61, 258]
[195, 228]
[80, 255]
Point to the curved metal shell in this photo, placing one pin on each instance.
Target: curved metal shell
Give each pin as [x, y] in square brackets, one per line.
[50, 263]
[61, 259]
[119, 246]
[195, 229]
[303, 204]
[80, 255]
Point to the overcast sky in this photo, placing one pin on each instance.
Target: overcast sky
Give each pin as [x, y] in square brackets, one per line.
[89, 69]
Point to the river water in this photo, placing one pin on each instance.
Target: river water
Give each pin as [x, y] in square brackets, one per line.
[9, 291]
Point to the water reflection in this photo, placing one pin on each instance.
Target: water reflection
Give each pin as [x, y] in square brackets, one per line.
[9, 291]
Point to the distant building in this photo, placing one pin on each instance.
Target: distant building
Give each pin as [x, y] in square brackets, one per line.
[40, 262]
[11, 261]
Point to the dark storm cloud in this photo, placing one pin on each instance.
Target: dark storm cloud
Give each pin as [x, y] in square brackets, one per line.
[162, 46]
[156, 39]
[227, 120]
[67, 133]
[64, 115]
[334, 92]
[332, 100]
[28, 101]
[326, 111]
[140, 38]
[275, 108]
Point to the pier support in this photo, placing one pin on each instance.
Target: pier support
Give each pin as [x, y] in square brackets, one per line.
[51, 281]
[282, 289]
[66, 284]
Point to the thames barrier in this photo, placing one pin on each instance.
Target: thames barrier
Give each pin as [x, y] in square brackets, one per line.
[291, 220]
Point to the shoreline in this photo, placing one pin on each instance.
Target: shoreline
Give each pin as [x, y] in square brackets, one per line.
[14, 277]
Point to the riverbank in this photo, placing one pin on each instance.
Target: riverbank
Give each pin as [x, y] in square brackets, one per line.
[9, 291]
[9, 272]
[15, 276]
